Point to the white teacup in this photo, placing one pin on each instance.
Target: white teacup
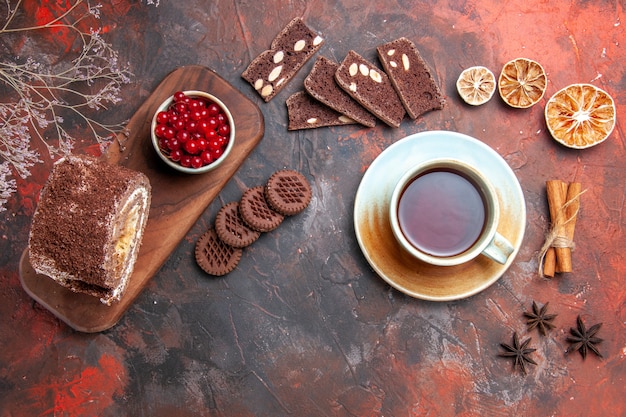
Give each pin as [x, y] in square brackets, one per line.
[445, 213]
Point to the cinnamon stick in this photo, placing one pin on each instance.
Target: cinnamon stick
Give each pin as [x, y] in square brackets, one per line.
[556, 191]
[573, 199]
[549, 263]
[564, 262]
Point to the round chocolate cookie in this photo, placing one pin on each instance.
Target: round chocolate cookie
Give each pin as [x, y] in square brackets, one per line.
[231, 228]
[214, 256]
[255, 211]
[288, 192]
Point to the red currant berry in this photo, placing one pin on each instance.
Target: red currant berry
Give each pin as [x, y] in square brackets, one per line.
[213, 123]
[214, 109]
[159, 130]
[176, 154]
[162, 117]
[217, 153]
[180, 107]
[173, 144]
[211, 134]
[196, 162]
[224, 130]
[191, 147]
[191, 126]
[221, 119]
[183, 136]
[202, 144]
[185, 161]
[196, 114]
[169, 133]
[206, 156]
[203, 126]
[179, 96]
[214, 145]
[179, 124]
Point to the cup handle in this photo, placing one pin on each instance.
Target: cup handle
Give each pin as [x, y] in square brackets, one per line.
[499, 249]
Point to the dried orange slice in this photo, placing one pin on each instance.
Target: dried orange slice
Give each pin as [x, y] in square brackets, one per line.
[580, 116]
[476, 85]
[522, 83]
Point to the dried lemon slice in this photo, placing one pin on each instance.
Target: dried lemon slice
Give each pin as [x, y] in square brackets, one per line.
[580, 116]
[522, 83]
[476, 85]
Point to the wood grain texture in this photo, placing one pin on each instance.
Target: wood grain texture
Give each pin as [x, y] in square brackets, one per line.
[177, 199]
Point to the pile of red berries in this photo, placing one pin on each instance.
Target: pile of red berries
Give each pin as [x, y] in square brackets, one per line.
[192, 131]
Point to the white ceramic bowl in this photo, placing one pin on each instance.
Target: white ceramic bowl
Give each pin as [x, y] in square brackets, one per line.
[176, 165]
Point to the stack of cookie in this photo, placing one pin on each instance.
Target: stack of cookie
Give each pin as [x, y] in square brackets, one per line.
[239, 224]
[353, 91]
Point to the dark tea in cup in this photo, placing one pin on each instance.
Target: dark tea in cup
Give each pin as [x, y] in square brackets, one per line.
[441, 212]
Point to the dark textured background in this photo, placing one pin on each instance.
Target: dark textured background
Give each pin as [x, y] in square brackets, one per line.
[303, 326]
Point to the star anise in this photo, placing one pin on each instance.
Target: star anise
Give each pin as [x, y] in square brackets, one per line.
[583, 339]
[519, 352]
[540, 318]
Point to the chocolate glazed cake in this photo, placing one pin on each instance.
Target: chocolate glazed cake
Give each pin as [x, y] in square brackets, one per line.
[88, 226]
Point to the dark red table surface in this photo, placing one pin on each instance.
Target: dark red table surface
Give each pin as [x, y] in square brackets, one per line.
[304, 326]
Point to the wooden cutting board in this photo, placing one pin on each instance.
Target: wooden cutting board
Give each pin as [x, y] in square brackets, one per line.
[177, 199]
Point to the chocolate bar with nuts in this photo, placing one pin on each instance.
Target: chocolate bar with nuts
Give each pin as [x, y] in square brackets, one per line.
[320, 83]
[410, 76]
[371, 87]
[270, 72]
[307, 113]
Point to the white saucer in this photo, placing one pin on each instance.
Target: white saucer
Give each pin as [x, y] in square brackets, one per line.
[384, 254]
